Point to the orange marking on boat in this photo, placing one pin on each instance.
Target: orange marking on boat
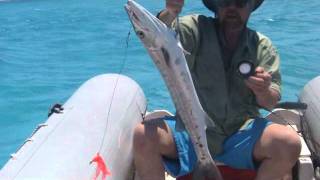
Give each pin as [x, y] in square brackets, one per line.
[101, 167]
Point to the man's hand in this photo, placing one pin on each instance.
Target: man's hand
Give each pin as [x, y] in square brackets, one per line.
[173, 8]
[260, 82]
[260, 85]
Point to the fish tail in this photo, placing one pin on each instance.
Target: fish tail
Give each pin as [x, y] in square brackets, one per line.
[212, 172]
[208, 170]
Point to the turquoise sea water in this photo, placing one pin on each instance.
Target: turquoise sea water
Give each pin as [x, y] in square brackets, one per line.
[49, 48]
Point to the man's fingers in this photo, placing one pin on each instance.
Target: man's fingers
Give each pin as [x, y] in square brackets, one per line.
[265, 76]
[252, 86]
[255, 80]
[259, 70]
[259, 82]
[255, 87]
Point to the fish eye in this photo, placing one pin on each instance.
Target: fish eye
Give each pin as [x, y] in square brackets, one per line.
[140, 34]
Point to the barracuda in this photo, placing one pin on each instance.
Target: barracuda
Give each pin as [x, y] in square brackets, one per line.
[167, 53]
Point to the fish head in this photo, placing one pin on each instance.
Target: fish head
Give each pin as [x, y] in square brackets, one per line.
[150, 30]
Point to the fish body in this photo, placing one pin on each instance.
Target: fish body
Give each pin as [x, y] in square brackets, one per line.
[167, 53]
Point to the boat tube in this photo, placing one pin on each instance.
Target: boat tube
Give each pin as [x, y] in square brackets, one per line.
[98, 118]
[311, 124]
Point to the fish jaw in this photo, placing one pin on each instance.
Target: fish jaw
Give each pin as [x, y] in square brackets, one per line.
[147, 27]
[157, 38]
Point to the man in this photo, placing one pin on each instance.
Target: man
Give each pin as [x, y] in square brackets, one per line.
[241, 139]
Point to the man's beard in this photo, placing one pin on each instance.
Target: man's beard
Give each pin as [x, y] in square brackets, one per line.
[232, 21]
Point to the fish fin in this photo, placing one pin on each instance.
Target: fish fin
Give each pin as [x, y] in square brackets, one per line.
[185, 52]
[179, 124]
[177, 36]
[208, 121]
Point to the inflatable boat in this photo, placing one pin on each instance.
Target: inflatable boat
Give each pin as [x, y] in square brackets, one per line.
[90, 136]
[98, 118]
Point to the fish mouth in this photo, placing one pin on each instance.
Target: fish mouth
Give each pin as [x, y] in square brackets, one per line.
[138, 18]
[144, 23]
[130, 9]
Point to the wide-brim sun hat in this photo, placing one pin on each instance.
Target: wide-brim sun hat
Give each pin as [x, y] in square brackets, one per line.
[212, 4]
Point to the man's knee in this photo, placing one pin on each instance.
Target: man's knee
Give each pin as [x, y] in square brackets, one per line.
[143, 137]
[278, 142]
[156, 137]
[150, 134]
[286, 145]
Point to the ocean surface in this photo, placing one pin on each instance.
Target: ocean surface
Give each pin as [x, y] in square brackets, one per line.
[49, 48]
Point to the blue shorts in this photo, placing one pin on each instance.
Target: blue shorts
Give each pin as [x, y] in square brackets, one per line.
[238, 148]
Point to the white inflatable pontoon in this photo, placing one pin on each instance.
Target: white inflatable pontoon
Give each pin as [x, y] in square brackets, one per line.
[99, 117]
[311, 124]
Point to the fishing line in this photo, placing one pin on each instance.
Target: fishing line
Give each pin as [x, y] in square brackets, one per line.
[115, 87]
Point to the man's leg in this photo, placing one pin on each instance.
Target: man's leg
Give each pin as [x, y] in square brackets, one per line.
[278, 150]
[152, 140]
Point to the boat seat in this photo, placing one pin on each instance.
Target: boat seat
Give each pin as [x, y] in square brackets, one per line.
[156, 114]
